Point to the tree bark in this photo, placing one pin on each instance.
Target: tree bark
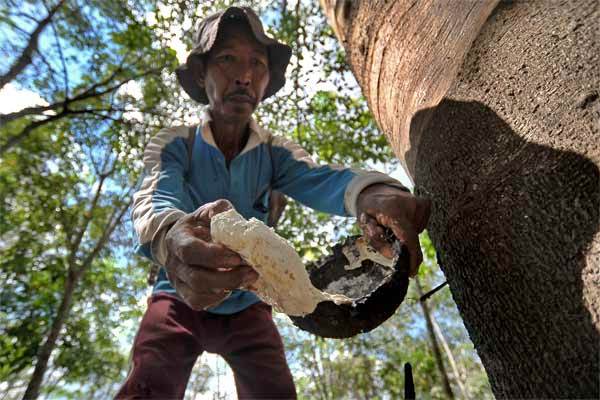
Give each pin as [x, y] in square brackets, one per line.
[494, 110]
[43, 356]
[435, 347]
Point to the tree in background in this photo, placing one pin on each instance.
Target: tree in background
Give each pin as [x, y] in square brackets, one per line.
[68, 171]
[65, 183]
[494, 110]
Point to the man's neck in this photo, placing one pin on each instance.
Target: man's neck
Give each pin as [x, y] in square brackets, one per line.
[230, 136]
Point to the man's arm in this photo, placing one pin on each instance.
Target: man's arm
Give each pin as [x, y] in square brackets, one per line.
[328, 188]
[177, 237]
[162, 198]
[378, 200]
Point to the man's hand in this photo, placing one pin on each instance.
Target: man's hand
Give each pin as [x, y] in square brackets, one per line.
[202, 272]
[380, 206]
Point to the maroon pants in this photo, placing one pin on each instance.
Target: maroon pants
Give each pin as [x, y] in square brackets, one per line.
[172, 336]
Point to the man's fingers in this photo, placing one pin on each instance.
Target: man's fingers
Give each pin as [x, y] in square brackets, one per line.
[192, 250]
[406, 234]
[198, 300]
[219, 256]
[250, 279]
[410, 239]
[219, 206]
[375, 235]
[205, 279]
[201, 232]
[209, 210]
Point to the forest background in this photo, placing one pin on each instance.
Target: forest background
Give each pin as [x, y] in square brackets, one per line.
[83, 87]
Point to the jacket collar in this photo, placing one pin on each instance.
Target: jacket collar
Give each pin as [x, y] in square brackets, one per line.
[258, 134]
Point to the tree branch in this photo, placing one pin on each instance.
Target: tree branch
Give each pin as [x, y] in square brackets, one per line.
[62, 60]
[25, 58]
[25, 132]
[87, 94]
[50, 67]
[13, 141]
[110, 227]
[73, 247]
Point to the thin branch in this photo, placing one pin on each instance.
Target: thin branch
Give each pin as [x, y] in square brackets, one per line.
[51, 386]
[15, 26]
[105, 163]
[73, 247]
[25, 132]
[25, 58]
[50, 67]
[13, 141]
[25, 15]
[435, 348]
[104, 116]
[92, 89]
[62, 60]
[457, 378]
[433, 291]
[111, 226]
[65, 223]
[88, 93]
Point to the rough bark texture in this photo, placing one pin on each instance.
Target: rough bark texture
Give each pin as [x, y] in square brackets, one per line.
[510, 159]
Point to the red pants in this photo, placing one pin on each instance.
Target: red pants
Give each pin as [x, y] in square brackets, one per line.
[172, 336]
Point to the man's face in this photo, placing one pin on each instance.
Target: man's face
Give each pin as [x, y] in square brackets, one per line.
[236, 72]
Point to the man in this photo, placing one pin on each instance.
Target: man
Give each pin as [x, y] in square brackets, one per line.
[199, 302]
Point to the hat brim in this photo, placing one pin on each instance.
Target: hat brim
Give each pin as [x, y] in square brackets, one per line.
[279, 57]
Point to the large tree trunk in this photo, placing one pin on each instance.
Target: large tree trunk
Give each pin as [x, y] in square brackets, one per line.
[495, 113]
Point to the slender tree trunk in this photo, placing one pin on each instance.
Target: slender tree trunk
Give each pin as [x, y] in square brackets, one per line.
[35, 383]
[74, 276]
[435, 347]
[495, 114]
[450, 356]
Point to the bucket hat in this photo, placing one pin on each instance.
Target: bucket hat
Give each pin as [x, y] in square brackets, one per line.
[206, 33]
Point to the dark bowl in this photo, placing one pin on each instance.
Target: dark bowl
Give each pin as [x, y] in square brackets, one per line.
[386, 290]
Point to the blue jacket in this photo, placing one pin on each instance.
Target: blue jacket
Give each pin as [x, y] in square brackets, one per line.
[178, 180]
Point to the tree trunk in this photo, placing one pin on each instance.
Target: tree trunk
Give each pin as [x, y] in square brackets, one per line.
[35, 383]
[435, 347]
[75, 273]
[457, 375]
[495, 113]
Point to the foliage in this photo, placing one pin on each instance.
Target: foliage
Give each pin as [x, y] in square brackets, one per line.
[104, 69]
[66, 187]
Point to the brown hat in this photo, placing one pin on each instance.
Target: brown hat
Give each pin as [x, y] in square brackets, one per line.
[206, 34]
